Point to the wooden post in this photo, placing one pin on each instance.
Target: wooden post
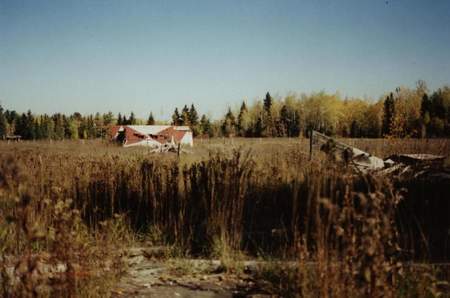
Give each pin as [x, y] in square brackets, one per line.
[178, 151]
[310, 143]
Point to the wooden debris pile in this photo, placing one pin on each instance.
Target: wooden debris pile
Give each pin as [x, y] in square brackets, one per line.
[400, 165]
[168, 148]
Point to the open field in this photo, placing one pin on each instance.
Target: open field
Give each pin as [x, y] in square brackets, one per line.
[71, 210]
[259, 146]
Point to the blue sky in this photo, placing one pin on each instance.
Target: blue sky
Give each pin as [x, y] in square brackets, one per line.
[141, 56]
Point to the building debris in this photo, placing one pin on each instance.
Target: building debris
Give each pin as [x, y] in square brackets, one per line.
[339, 151]
[418, 159]
[424, 166]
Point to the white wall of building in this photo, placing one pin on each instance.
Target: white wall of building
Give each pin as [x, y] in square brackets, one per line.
[188, 139]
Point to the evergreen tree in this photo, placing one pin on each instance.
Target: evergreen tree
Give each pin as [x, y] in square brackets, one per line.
[425, 106]
[285, 122]
[150, 120]
[30, 126]
[243, 121]
[258, 128]
[176, 119]
[185, 116]
[268, 123]
[437, 106]
[193, 116]
[3, 123]
[389, 113]
[11, 116]
[440, 113]
[25, 126]
[205, 126]
[354, 130]
[268, 103]
[229, 124]
[193, 120]
[132, 119]
[21, 126]
[119, 119]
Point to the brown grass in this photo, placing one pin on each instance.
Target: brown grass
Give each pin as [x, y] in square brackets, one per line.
[76, 203]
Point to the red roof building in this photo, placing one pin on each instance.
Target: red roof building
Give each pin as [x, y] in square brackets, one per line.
[151, 135]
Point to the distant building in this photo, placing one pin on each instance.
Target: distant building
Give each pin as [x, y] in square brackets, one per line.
[152, 135]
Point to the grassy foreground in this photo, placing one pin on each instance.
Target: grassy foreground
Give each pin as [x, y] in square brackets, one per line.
[68, 209]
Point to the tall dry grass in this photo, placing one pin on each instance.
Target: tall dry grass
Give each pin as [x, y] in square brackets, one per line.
[263, 199]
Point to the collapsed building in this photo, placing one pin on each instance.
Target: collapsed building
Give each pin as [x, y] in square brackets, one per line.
[424, 180]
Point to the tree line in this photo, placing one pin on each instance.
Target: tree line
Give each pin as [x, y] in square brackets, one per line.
[404, 112]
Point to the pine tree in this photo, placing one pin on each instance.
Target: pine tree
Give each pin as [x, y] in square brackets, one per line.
[185, 116]
[258, 129]
[229, 124]
[193, 120]
[389, 113]
[243, 121]
[3, 124]
[205, 126]
[176, 119]
[193, 116]
[119, 119]
[151, 120]
[30, 126]
[132, 119]
[268, 102]
[25, 126]
[268, 123]
[354, 130]
[425, 106]
[11, 116]
[285, 121]
[20, 126]
[439, 114]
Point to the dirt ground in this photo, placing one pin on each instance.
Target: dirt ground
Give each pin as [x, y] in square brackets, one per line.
[147, 276]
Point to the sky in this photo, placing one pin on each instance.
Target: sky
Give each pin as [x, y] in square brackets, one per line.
[142, 56]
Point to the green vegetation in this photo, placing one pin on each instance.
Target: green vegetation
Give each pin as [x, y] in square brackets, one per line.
[403, 113]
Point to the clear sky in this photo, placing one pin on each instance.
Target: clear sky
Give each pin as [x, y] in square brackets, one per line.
[141, 56]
